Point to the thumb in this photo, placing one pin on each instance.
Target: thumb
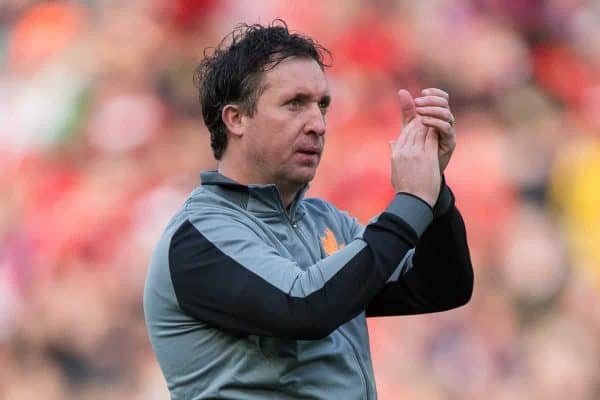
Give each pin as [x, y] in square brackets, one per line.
[407, 105]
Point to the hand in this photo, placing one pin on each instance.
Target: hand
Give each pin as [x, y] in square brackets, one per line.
[415, 163]
[434, 109]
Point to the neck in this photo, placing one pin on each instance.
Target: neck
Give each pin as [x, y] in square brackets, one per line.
[244, 176]
[287, 196]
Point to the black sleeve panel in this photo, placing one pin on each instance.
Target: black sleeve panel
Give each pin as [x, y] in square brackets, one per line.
[441, 277]
[214, 288]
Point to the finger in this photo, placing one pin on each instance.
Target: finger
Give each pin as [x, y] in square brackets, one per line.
[408, 138]
[407, 106]
[434, 101]
[397, 144]
[420, 135]
[444, 127]
[436, 112]
[435, 92]
[431, 141]
[400, 141]
[402, 138]
[410, 135]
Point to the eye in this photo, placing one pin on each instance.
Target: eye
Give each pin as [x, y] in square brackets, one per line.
[323, 105]
[294, 103]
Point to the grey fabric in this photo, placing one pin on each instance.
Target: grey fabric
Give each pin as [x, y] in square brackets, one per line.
[413, 210]
[285, 274]
[403, 267]
[200, 361]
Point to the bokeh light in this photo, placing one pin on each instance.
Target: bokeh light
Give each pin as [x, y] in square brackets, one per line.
[101, 139]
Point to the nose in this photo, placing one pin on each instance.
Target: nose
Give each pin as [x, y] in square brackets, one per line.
[317, 124]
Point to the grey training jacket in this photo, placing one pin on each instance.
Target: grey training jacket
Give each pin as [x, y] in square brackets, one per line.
[247, 300]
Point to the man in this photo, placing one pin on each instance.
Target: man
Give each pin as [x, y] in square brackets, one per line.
[255, 292]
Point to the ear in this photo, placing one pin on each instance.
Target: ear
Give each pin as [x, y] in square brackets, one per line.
[233, 118]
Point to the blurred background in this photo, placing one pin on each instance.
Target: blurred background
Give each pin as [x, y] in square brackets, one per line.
[101, 139]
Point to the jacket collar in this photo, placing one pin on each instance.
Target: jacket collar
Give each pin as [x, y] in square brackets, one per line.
[253, 197]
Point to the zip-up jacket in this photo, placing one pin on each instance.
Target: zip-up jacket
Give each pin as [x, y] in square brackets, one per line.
[245, 299]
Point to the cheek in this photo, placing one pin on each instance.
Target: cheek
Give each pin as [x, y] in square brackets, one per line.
[276, 132]
[267, 141]
[280, 134]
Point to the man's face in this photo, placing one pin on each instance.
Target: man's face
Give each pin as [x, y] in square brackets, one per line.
[284, 138]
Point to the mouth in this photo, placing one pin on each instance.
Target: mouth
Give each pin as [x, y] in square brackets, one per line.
[308, 156]
[310, 151]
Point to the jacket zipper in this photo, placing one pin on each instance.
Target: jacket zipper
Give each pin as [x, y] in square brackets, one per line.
[362, 374]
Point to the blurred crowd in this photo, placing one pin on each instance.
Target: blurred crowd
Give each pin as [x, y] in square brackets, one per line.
[101, 139]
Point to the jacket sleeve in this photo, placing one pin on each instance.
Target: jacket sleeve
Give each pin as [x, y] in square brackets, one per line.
[225, 274]
[438, 276]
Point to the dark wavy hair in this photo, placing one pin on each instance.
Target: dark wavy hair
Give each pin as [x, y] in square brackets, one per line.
[232, 72]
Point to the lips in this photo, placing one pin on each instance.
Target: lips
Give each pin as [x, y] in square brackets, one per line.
[310, 150]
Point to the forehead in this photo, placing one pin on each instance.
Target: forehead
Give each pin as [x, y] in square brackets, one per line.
[296, 75]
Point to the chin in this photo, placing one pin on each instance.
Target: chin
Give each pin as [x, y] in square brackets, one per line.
[307, 175]
[301, 178]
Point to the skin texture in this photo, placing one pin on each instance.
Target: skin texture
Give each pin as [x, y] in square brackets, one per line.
[414, 161]
[283, 140]
[433, 108]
